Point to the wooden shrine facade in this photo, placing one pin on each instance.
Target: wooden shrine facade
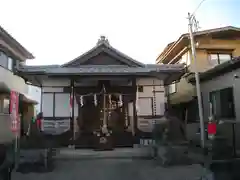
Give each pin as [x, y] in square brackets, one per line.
[101, 96]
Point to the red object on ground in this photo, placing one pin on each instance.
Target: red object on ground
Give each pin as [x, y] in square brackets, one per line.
[39, 123]
[212, 128]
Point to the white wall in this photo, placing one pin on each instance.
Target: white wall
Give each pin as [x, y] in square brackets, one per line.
[146, 101]
[35, 93]
[13, 82]
[146, 97]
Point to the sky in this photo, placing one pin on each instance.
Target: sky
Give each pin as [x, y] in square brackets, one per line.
[57, 31]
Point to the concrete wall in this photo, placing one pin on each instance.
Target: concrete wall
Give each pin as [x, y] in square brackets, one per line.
[221, 82]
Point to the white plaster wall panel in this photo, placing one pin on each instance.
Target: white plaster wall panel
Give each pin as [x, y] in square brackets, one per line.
[47, 104]
[62, 105]
[145, 107]
[56, 127]
[160, 103]
[147, 92]
[56, 82]
[159, 88]
[52, 89]
[144, 125]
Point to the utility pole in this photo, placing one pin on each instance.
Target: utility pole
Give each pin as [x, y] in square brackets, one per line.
[192, 22]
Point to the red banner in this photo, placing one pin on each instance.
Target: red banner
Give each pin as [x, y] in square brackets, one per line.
[14, 104]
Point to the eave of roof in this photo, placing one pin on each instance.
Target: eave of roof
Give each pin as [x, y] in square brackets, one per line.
[217, 71]
[17, 45]
[100, 70]
[199, 33]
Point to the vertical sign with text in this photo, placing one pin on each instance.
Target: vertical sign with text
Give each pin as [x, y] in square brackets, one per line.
[14, 104]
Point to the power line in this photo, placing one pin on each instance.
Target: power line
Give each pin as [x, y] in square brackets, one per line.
[199, 5]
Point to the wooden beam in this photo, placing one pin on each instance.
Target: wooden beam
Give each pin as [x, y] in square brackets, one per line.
[97, 89]
[135, 121]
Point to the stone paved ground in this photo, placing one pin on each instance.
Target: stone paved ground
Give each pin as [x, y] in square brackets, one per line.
[113, 169]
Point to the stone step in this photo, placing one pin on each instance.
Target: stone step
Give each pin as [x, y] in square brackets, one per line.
[70, 153]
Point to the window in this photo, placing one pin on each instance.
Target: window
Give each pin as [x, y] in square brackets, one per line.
[62, 107]
[6, 61]
[48, 104]
[10, 63]
[3, 60]
[55, 104]
[172, 88]
[222, 103]
[6, 104]
[218, 58]
[140, 88]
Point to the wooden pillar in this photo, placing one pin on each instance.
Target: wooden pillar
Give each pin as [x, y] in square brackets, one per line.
[166, 97]
[72, 96]
[135, 122]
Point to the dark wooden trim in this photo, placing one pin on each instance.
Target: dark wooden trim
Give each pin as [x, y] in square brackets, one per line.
[41, 100]
[54, 106]
[95, 89]
[55, 86]
[219, 50]
[151, 117]
[72, 94]
[57, 92]
[49, 118]
[156, 91]
[134, 86]
[147, 85]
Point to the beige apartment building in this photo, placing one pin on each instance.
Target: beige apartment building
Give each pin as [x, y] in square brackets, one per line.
[213, 47]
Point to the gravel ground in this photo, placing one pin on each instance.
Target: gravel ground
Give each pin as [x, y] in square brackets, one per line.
[113, 169]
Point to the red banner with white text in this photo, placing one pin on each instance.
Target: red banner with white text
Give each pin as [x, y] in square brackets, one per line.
[14, 104]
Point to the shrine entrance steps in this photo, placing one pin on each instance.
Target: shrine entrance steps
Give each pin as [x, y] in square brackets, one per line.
[72, 153]
[88, 140]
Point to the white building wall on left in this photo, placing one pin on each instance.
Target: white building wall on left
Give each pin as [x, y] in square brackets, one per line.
[13, 82]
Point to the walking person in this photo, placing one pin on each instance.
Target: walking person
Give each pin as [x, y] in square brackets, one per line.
[160, 133]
